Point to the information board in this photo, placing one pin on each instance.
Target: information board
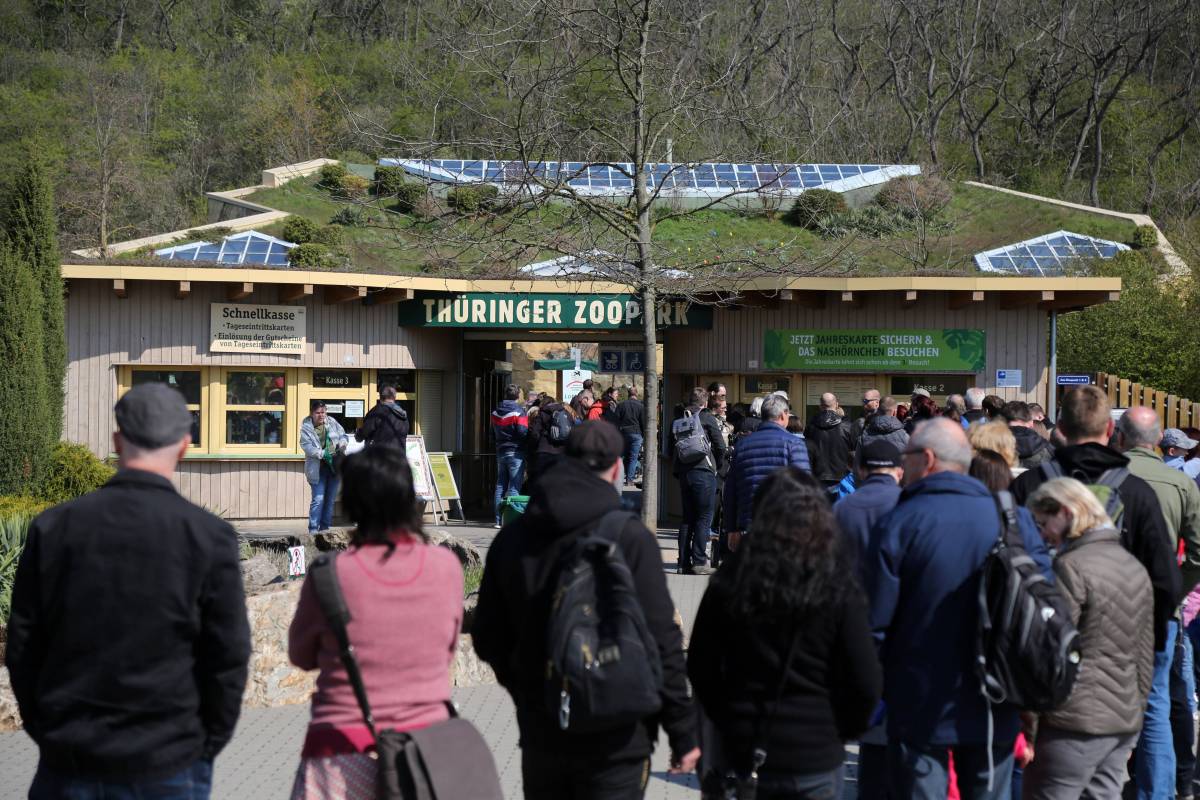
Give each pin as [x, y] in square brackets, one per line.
[942, 349]
[443, 476]
[418, 460]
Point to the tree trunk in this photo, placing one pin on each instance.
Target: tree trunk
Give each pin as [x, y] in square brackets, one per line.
[650, 448]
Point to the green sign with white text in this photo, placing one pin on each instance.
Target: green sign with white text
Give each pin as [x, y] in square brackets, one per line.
[546, 312]
[940, 350]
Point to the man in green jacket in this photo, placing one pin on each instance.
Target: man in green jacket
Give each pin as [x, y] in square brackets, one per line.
[1138, 433]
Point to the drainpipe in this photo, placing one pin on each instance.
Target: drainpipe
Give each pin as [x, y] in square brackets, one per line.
[1052, 400]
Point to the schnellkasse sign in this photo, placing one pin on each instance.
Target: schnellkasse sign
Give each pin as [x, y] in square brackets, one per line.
[546, 312]
[252, 328]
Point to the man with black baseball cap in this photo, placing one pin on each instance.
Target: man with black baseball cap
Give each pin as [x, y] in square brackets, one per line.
[514, 612]
[128, 639]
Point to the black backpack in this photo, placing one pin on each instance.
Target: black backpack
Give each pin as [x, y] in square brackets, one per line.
[1027, 648]
[560, 427]
[603, 669]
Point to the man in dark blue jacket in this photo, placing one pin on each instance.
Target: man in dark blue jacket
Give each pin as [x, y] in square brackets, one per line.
[757, 456]
[878, 469]
[510, 426]
[923, 576]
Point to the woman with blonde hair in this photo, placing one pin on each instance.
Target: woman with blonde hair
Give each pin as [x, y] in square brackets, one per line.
[1082, 747]
[995, 436]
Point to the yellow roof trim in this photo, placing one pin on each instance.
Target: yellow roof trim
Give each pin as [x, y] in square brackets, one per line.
[430, 284]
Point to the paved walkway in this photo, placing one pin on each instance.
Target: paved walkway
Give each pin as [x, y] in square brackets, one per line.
[260, 761]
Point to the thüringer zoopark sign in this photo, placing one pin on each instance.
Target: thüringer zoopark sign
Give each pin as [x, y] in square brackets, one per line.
[550, 312]
[942, 350]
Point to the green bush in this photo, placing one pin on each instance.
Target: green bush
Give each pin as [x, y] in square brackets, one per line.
[15, 504]
[388, 181]
[353, 186]
[350, 217]
[299, 230]
[409, 197]
[871, 221]
[921, 196]
[1145, 237]
[74, 471]
[312, 255]
[813, 205]
[25, 441]
[330, 176]
[14, 532]
[329, 235]
[472, 199]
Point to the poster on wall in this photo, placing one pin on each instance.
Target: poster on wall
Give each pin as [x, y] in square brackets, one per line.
[252, 328]
[944, 349]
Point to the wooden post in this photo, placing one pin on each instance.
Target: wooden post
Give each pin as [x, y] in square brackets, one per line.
[1172, 415]
[1122, 393]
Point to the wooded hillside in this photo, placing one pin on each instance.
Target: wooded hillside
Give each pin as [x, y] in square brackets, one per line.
[143, 105]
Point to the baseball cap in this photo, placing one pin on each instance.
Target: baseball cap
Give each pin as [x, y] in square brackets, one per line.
[1174, 437]
[920, 391]
[153, 415]
[597, 443]
[878, 454]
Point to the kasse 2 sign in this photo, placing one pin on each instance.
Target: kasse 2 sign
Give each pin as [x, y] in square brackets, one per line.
[546, 312]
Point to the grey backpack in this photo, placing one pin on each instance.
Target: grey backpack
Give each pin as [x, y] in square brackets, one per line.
[691, 442]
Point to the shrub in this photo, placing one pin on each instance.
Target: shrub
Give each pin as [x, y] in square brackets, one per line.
[330, 176]
[472, 199]
[329, 235]
[813, 205]
[74, 471]
[350, 217]
[918, 195]
[203, 235]
[353, 186]
[26, 442]
[17, 504]
[388, 181]
[409, 197]
[14, 531]
[312, 255]
[299, 230]
[1145, 237]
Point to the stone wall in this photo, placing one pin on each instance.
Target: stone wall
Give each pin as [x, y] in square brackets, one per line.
[273, 680]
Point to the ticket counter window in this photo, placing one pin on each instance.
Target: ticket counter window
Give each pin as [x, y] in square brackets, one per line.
[255, 403]
[849, 390]
[405, 383]
[187, 382]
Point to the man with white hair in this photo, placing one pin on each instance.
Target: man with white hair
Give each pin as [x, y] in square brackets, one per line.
[922, 579]
[973, 397]
[756, 457]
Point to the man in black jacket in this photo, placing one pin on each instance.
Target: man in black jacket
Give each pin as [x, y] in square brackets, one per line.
[631, 421]
[128, 639]
[513, 615]
[698, 487]
[1086, 423]
[829, 440]
[386, 424]
[1032, 449]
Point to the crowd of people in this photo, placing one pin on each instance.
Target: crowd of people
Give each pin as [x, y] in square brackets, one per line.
[845, 608]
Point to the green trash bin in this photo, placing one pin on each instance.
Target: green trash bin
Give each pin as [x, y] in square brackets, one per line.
[512, 507]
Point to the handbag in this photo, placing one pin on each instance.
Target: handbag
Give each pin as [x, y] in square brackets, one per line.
[729, 784]
[425, 764]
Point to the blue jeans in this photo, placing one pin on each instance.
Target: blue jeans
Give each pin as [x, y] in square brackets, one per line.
[1154, 762]
[190, 783]
[633, 453]
[509, 466]
[699, 489]
[324, 493]
[922, 772]
[815, 786]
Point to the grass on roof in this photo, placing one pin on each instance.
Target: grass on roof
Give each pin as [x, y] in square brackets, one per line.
[976, 220]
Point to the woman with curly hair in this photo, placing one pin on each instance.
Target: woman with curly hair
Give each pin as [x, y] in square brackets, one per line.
[781, 656]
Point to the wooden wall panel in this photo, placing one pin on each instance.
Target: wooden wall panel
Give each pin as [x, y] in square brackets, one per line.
[152, 326]
[1016, 339]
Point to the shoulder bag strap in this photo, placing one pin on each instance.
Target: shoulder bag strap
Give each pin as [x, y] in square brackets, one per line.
[763, 724]
[1113, 478]
[1010, 526]
[1050, 469]
[323, 574]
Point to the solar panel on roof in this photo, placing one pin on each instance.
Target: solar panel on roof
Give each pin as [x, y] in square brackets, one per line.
[702, 179]
[1046, 255]
[250, 247]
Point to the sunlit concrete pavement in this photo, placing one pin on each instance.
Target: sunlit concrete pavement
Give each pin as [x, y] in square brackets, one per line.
[260, 761]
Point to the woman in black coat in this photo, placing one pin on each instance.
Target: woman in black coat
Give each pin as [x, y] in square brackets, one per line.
[787, 596]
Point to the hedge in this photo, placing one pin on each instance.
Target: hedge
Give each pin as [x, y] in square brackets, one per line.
[813, 205]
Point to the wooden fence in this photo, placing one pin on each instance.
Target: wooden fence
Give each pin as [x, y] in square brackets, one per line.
[1174, 411]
